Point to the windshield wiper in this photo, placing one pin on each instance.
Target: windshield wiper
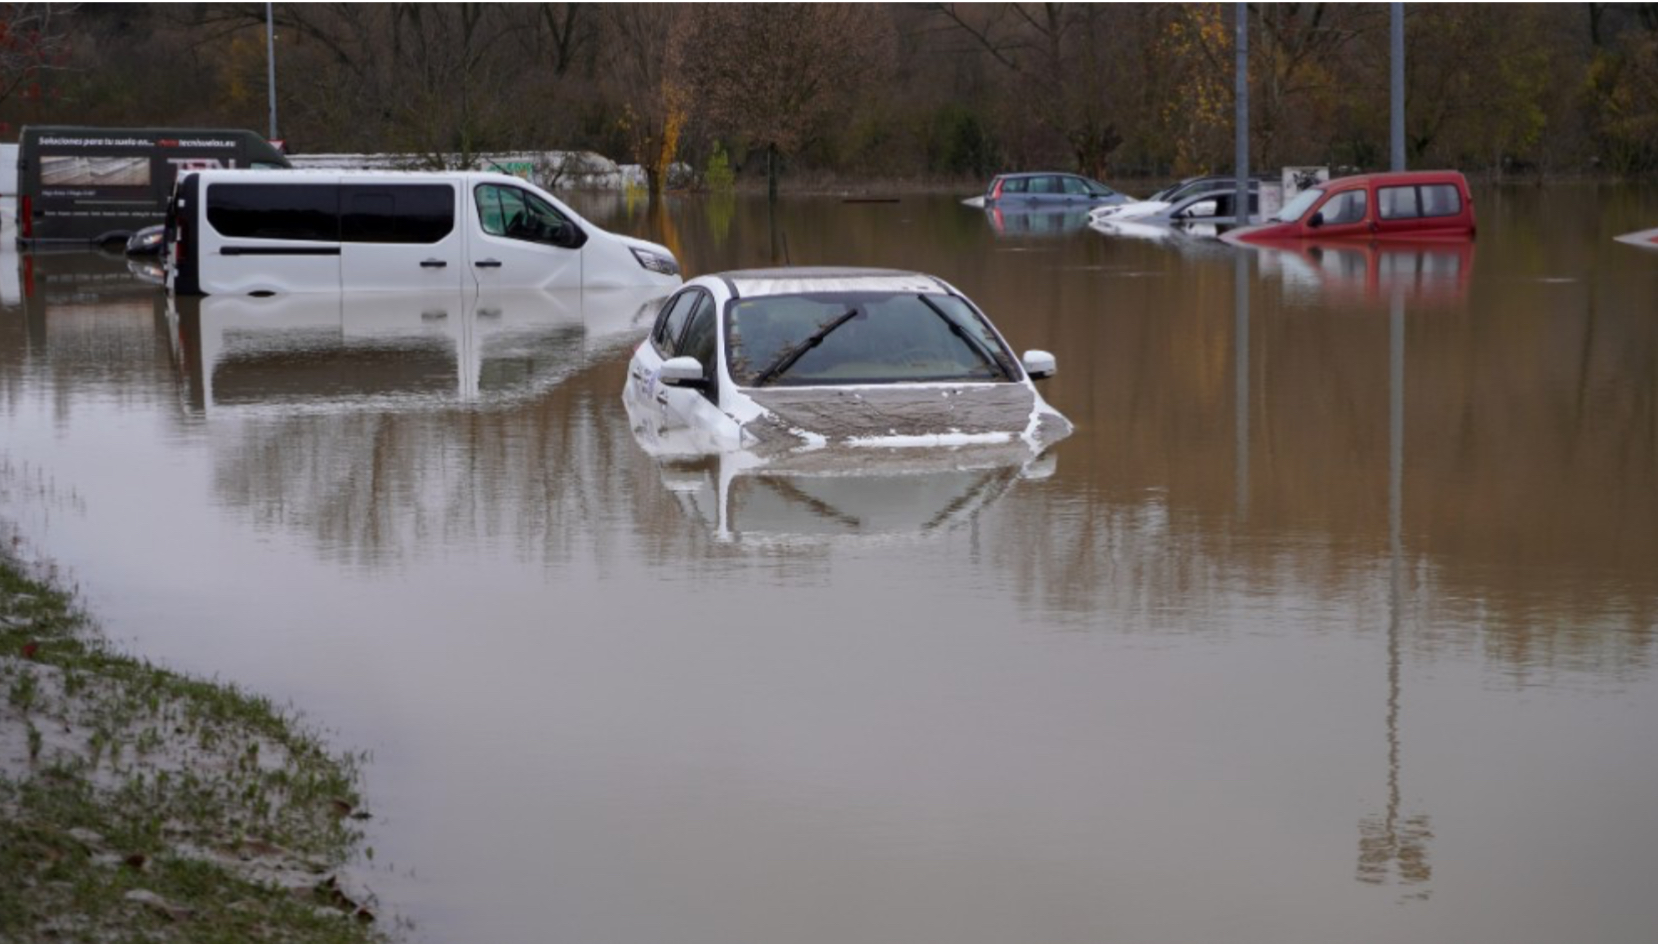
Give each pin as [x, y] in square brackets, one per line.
[797, 351]
[971, 340]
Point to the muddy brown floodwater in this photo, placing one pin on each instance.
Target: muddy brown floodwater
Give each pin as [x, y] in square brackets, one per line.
[1333, 620]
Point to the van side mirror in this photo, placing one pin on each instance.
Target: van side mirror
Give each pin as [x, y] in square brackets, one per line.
[1039, 364]
[682, 371]
[1317, 220]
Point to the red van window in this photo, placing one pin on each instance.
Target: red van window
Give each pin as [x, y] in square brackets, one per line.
[1397, 203]
[1347, 207]
[1441, 200]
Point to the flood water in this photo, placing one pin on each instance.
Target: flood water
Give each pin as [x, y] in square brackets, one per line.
[1333, 621]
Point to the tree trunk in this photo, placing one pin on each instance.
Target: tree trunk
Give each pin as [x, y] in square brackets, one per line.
[771, 172]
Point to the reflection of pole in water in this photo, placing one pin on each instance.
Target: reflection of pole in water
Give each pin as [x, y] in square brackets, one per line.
[1390, 843]
[1240, 370]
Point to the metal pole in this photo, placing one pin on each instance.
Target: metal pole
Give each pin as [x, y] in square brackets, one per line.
[270, 61]
[1241, 119]
[1398, 86]
[1240, 383]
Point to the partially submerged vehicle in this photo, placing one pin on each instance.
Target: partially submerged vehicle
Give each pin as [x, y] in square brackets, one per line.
[1646, 239]
[1163, 199]
[274, 232]
[1405, 205]
[1048, 188]
[777, 360]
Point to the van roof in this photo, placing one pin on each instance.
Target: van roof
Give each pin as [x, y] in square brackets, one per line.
[302, 174]
[1387, 178]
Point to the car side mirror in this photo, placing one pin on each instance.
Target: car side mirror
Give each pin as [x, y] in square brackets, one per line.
[682, 371]
[1317, 220]
[1039, 364]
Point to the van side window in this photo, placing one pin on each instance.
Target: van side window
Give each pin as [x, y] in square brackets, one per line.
[518, 214]
[1441, 200]
[1397, 203]
[275, 211]
[1014, 185]
[671, 323]
[396, 213]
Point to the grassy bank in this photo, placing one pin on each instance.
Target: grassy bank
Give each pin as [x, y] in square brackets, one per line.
[137, 804]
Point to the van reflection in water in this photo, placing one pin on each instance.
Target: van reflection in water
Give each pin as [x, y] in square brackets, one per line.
[1424, 272]
[376, 351]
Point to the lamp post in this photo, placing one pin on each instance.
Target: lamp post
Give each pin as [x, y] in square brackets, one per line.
[270, 61]
[1398, 77]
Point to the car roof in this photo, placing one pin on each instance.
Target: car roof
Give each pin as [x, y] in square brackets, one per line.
[799, 280]
[1040, 173]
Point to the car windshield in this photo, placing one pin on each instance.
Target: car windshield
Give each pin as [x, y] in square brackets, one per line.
[858, 338]
[1299, 205]
[1098, 189]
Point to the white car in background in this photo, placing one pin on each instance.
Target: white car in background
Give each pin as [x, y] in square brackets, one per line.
[777, 360]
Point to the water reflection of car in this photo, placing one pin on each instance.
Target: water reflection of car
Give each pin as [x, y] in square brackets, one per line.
[841, 495]
[1411, 205]
[777, 359]
[1420, 272]
[148, 241]
[1049, 189]
[1006, 221]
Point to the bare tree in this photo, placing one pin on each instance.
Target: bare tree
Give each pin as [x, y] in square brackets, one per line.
[782, 71]
[643, 77]
[33, 41]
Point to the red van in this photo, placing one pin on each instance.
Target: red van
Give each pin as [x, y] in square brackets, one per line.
[1429, 204]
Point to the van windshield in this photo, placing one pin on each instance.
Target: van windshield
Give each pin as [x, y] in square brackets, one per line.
[1299, 205]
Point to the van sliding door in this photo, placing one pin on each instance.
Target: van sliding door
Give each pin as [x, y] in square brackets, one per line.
[398, 236]
[270, 237]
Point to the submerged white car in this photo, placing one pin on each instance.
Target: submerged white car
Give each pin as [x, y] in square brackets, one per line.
[776, 360]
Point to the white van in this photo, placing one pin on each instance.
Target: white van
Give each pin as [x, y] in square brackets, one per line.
[271, 232]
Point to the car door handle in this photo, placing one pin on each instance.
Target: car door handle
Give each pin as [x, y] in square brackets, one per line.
[640, 374]
[488, 263]
[432, 263]
[662, 397]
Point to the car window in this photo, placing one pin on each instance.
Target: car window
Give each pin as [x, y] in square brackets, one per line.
[1097, 189]
[1440, 200]
[1345, 207]
[517, 214]
[670, 324]
[1077, 186]
[700, 339]
[862, 338]
[1014, 185]
[1397, 203]
[1044, 185]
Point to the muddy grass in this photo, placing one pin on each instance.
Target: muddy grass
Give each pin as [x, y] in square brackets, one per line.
[137, 804]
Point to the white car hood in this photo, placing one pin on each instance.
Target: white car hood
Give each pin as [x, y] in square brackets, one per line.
[908, 415]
